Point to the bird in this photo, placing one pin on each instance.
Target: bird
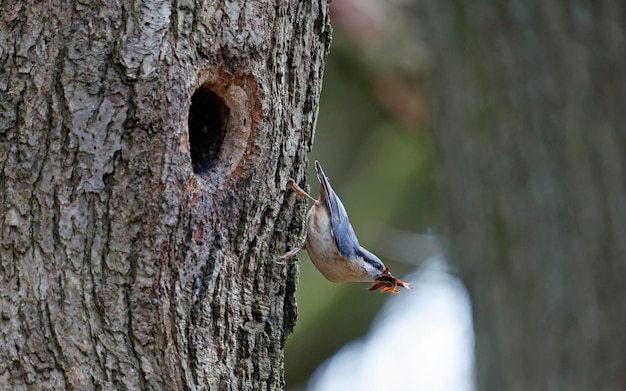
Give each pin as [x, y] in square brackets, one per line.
[333, 246]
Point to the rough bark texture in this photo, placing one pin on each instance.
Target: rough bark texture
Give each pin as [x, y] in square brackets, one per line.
[532, 144]
[123, 264]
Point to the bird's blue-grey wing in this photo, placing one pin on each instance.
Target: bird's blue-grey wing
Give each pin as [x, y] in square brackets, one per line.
[343, 233]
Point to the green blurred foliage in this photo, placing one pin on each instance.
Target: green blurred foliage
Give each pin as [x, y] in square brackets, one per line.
[382, 169]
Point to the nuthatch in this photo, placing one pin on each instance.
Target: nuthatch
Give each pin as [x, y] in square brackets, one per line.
[333, 246]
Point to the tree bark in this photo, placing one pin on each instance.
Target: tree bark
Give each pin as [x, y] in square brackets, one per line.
[145, 149]
[530, 130]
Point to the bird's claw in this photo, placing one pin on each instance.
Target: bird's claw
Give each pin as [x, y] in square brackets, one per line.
[288, 256]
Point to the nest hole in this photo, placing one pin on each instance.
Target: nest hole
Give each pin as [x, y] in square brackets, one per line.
[208, 119]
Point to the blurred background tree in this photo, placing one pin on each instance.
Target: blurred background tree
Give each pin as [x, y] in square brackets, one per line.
[530, 99]
[526, 112]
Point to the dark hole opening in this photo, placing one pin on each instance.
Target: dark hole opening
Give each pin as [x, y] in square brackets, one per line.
[207, 127]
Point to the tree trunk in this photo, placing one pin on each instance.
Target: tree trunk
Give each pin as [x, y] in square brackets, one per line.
[532, 149]
[145, 149]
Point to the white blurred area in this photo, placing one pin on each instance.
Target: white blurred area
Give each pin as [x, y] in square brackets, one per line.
[423, 339]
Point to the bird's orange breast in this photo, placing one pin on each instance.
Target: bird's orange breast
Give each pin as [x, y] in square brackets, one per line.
[323, 251]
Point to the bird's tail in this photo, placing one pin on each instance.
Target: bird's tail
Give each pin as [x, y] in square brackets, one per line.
[323, 179]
